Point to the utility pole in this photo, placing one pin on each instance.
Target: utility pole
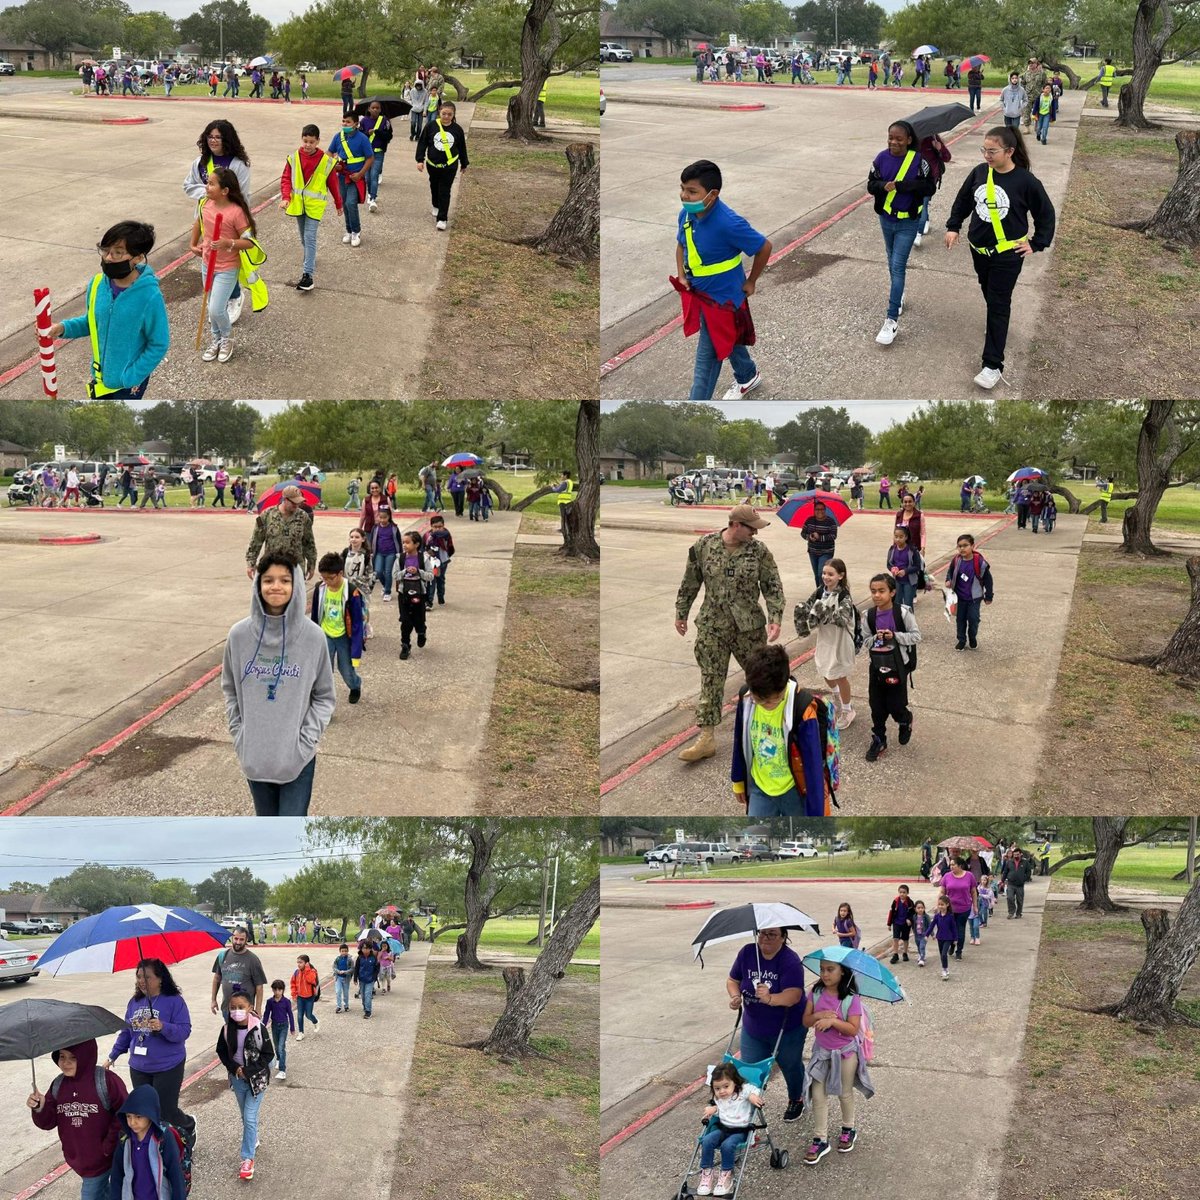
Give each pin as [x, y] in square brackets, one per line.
[229, 897]
[221, 24]
[554, 895]
[541, 939]
[818, 445]
[836, 40]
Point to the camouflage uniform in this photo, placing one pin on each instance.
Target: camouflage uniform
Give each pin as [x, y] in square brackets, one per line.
[1032, 82]
[292, 535]
[731, 619]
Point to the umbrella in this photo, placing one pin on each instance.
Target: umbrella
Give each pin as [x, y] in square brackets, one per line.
[392, 106]
[387, 908]
[372, 935]
[119, 938]
[938, 118]
[31, 1028]
[874, 980]
[962, 842]
[737, 923]
[926, 50]
[463, 459]
[348, 72]
[396, 945]
[198, 462]
[133, 460]
[799, 508]
[817, 469]
[1026, 473]
[977, 60]
[273, 494]
[974, 481]
[263, 60]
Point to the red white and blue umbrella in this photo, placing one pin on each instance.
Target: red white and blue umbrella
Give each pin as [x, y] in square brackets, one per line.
[119, 938]
[463, 459]
[273, 494]
[796, 510]
[1026, 473]
[977, 60]
[348, 72]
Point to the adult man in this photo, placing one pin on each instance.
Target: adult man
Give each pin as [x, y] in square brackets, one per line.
[885, 68]
[1015, 875]
[1106, 495]
[1107, 79]
[1032, 81]
[1045, 856]
[149, 480]
[926, 858]
[285, 529]
[127, 488]
[237, 965]
[428, 478]
[565, 495]
[734, 570]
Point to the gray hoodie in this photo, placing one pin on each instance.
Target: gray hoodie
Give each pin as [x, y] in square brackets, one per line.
[1013, 98]
[278, 687]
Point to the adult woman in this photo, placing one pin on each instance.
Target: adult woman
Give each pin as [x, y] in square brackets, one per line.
[766, 982]
[910, 518]
[374, 502]
[901, 181]
[960, 887]
[157, 1027]
[220, 146]
[1000, 196]
[443, 146]
[457, 487]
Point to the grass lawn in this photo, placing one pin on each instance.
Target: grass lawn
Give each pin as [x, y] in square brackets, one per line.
[512, 934]
[1178, 512]
[848, 864]
[1148, 868]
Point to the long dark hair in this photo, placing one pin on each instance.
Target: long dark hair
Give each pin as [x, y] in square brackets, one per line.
[227, 179]
[846, 985]
[726, 1070]
[1012, 140]
[229, 140]
[169, 986]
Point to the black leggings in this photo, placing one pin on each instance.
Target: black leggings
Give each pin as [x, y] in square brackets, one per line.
[997, 274]
[441, 179]
[944, 952]
[167, 1084]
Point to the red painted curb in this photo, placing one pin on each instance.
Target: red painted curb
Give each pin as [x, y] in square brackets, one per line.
[125, 121]
[772, 879]
[205, 99]
[645, 1119]
[82, 539]
[693, 904]
[209, 511]
[743, 107]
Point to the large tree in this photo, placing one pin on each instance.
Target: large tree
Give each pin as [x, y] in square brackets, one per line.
[224, 427]
[102, 427]
[149, 34]
[858, 22]
[1108, 837]
[842, 441]
[37, 424]
[348, 31]
[1163, 31]
[675, 19]
[742, 442]
[579, 518]
[226, 24]
[94, 887]
[235, 889]
[648, 429]
[1181, 655]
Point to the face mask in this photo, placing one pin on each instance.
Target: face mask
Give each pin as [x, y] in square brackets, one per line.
[240, 1015]
[694, 206]
[117, 270]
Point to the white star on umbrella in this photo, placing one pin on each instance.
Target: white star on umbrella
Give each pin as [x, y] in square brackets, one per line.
[152, 912]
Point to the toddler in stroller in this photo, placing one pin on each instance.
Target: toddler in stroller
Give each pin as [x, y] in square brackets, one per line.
[90, 490]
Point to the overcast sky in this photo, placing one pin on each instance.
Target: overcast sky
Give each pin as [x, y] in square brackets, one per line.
[37, 849]
[876, 415]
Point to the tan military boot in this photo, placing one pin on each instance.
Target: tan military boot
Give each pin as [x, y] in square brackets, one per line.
[704, 746]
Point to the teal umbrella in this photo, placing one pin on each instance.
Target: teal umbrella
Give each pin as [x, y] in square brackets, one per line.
[873, 978]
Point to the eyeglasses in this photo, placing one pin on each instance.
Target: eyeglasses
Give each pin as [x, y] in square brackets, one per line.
[111, 254]
[991, 151]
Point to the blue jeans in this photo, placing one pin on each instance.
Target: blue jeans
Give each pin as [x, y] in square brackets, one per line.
[341, 991]
[1012, 122]
[339, 656]
[1043, 126]
[367, 990]
[304, 1008]
[817, 562]
[284, 799]
[347, 102]
[790, 1060]
[718, 1139]
[350, 206]
[921, 941]
[383, 571]
[923, 220]
[223, 285]
[973, 923]
[983, 915]
[708, 366]
[960, 924]
[307, 227]
[430, 500]
[437, 585]
[416, 119]
[906, 592]
[788, 804]
[898, 238]
[279, 1037]
[975, 97]
[373, 175]
[967, 619]
[95, 1188]
[473, 513]
[248, 1105]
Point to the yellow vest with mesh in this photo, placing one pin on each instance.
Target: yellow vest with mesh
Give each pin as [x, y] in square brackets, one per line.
[443, 141]
[309, 199]
[696, 265]
[99, 388]
[351, 159]
[1107, 75]
[1002, 243]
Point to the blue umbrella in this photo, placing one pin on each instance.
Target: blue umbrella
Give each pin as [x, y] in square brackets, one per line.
[873, 978]
[396, 946]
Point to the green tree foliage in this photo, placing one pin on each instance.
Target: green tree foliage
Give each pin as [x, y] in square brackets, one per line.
[24, 888]
[340, 889]
[492, 28]
[55, 24]
[244, 32]
[858, 21]
[339, 32]
[148, 34]
[675, 19]
[101, 427]
[234, 888]
[843, 441]
[543, 429]
[649, 428]
[172, 892]
[227, 427]
[94, 887]
[37, 424]
[1106, 435]
[763, 20]
[742, 442]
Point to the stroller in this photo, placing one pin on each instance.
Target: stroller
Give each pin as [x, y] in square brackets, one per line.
[91, 494]
[27, 492]
[756, 1074]
[681, 491]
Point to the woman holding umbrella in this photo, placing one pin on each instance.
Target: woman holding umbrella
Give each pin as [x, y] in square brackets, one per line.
[157, 1026]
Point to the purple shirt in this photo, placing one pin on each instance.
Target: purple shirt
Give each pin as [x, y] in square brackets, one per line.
[826, 1001]
[944, 928]
[783, 971]
[386, 541]
[144, 1185]
[964, 577]
[958, 891]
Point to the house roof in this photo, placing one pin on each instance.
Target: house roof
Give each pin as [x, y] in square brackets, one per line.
[638, 831]
[36, 903]
[610, 26]
[13, 448]
[624, 452]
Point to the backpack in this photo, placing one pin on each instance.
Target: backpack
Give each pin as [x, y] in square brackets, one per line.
[185, 1158]
[859, 636]
[866, 1031]
[910, 668]
[412, 589]
[101, 1087]
[829, 737]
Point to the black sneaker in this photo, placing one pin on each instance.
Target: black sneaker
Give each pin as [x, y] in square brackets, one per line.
[960, 645]
[354, 695]
[877, 749]
[794, 1110]
[405, 651]
[420, 639]
[306, 283]
[974, 645]
[895, 958]
[905, 734]
[906, 956]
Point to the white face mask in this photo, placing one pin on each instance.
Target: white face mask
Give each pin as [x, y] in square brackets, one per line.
[240, 1015]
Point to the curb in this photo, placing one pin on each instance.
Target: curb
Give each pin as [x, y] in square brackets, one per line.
[743, 107]
[124, 120]
[82, 539]
[693, 904]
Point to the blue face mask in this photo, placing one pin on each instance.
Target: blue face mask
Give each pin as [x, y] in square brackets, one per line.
[693, 206]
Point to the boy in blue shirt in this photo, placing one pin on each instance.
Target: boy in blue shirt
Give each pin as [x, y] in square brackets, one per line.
[343, 968]
[708, 260]
[126, 317]
[353, 149]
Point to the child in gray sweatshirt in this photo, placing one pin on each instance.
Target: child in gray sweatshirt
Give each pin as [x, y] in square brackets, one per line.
[1013, 99]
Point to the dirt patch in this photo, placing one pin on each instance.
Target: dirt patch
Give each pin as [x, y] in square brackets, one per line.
[1122, 318]
[802, 265]
[1105, 1111]
[542, 751]
[1121, 738]
[150, 753]
[526, 1131]
[512, 323]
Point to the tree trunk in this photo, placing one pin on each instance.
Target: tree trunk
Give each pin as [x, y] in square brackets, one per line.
[362, 83]
[579, 519]
[478, 893]
[1154, 463]
[510, 1035]
[535, 69]
[573, 234]
[1181, 655]
[1064, 69]
[504, 497]
[1147, 58]
[1170, 952]
[460, 92]
[1109, 834]
[1178, 216]
[522, 505]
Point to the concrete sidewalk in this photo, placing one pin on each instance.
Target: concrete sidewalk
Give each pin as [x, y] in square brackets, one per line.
[125, 624]
[385, 288]
[818, 309]
[953, 1042]
[988, 704]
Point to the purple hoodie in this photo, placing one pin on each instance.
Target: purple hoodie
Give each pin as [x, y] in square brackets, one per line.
[160, 1050]
[944, 928]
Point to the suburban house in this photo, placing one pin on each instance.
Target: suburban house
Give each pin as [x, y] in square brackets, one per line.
[29, 56]
[635, 840]
[24, 906]
[618, 463]
[14, 457]
[645, 43]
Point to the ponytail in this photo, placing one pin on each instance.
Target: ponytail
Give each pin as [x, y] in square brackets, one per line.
[1012, 140]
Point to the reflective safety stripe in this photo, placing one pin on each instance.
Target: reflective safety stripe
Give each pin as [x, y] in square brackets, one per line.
[569, 496]
[309, 200]
[696, 265]
[1107, 76]
[98, 388]
[350, 158]
[891, 196]
[444, 146]
[1002, 243]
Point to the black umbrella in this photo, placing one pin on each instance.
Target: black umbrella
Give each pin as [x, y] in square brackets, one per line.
[31, 1028]
[938, 118]
[391, 107]
[747, 919]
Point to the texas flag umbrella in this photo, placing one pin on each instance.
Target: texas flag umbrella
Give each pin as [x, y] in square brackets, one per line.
[745, 920]
[273, 494]
[977, 60]
[799, 508]
[463, 459]
[348, 72]
[1026, 473]
[119, 938]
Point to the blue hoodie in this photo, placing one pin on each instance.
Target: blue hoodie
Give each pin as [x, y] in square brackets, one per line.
[157, 1153]
[131, 327]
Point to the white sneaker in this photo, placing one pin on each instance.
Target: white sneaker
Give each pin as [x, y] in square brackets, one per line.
[920, 962]
[724, 1184]
[299, 1037]
[355, 239]
[706, 1183]
[902, 304]
[988, 378]
[281, 1075]
[235, 309]
[738, 390]
[210, 355]
[371, 206]
[945, 974]
[917, 239]
[846, 716]
[887, 334]
[441, 224]
[433, 210]
[226, 351]
[315, 1027]
[345, 239]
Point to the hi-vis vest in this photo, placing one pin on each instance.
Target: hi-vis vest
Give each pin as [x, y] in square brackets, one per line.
[444, 142]
[1107, 75]
[309, 199]
[374, 130]
[431, 105]
[542, 93]
[567, 497]
[249, 261]
[350, 158]
[1002, 243]
[696, 265]
[891, 196]
[98, 389]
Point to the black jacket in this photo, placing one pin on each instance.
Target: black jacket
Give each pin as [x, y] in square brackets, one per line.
[1025, 198]
[257, 1051]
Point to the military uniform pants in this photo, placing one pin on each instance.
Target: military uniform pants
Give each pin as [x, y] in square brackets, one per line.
[712, 650]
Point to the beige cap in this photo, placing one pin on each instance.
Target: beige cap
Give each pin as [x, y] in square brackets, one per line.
[743, 514]
[293, 493]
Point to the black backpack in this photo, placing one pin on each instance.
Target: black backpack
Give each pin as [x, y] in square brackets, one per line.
[412, 589]
[910, 667]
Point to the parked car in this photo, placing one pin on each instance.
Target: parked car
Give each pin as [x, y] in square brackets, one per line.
[17, 965]
[23, 927]
[840, 844]
[908, 477]
[877, 846]
[797, 850]
[710, 852]
[7, 927]
[611, 52]
[756, 853]
[662, 853]
[306, 67]
[47, 926]
[6, 68]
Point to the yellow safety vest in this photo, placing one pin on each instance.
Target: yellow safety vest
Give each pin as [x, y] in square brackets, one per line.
[696, 265]
[891, 196]
[542, 94]
[99, 388]
[567, 497]
[375, 130]
[432, 105]
[1107, 76]
[249, 261]
[350, 158]
[309, 199]
[1002, 243]
[451, 159]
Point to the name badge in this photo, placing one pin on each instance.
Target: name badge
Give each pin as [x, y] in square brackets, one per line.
[141, 1050]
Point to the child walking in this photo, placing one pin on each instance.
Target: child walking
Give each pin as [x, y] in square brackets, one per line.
[222, 198]
[343, 968]
[359, 572]
[305, 189]
[366, 972]
[277, 1016]
[440, 543]
[412, 578]
[945, 930]
[442, 147]
[845, 928]
[899, 920]
[387, 966]
[922, 926]
[306, 986]
[732, 1102]
[147, 1161]
[970, 575]
[337, 606]
[244, 1048]
[985, 899]
[832, 612]
[351, 149]
[905, 565]
[894, 634]
[836, 1067]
